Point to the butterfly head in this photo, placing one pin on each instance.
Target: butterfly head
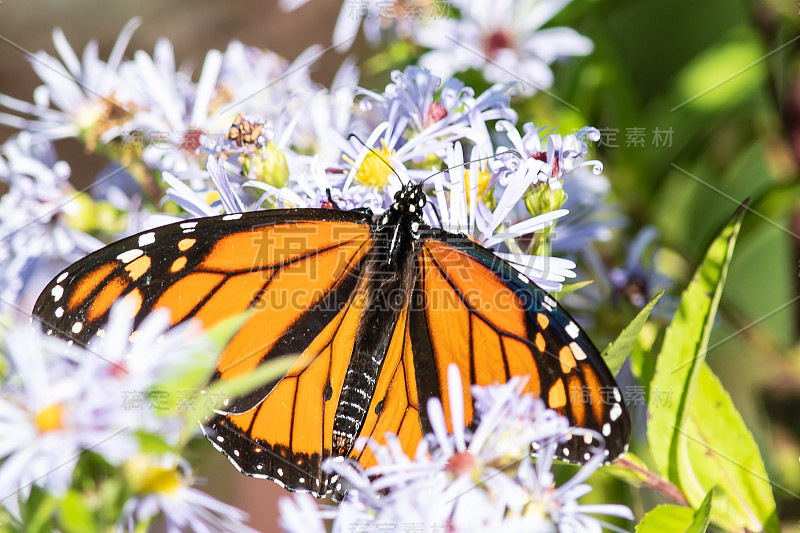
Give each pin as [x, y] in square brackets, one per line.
[410, 200]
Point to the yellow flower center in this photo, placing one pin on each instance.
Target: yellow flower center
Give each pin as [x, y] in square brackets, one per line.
[161, 480]
[483, 182]
[375, 169]
[147, 475]
[50, 418]
[212, 196]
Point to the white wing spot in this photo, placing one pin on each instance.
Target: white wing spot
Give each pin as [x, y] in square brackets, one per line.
[577, 351]
[59, 312]
[77, 327]
[130, 255]
[187, 225]
[572, 330]
[566, 452]
[147, 238]
[523, 277]
[236, 453]
[57, 292]
[615, 412]
[62, 277]
[220, 438]
[617, 395]
[587, 456]
[549, 301]
[234, 216]
[280, 471]
[188, 230]
[587, 438]
[301, 480]
[260, 467]
[606, 429]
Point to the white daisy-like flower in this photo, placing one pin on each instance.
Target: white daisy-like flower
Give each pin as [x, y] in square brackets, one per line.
[560, 154]
[173, 112]
[376, 18]
[79, 98]
[467, 213]
[416, 128]
[463, 481]
[540, 500]
[503, 39]
[165, 487]
[49, 415]
[413, 102]
[60, 400]
[36, 239]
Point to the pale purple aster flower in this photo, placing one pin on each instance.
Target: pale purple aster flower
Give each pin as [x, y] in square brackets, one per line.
[83, 97]
[541, 500]
[374, 16]
[261, 82]
[214, 191]
[300, 514]
[167, 489]
[503, 39]
[560, 154]
[410, 102]
[463, 481]
[328, 115]
[173, 112]
[639, 278]
[36, 239]
[498, 228]
[49, 413]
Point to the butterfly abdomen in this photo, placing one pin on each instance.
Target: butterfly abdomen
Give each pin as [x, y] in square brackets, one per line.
[387, 285]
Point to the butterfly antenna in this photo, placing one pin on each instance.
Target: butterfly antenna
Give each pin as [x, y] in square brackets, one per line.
[376, 154]
[465, 163]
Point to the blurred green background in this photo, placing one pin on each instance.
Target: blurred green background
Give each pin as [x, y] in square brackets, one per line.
[718, 78]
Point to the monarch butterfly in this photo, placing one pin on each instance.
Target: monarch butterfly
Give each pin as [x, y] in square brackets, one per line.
[377, 306]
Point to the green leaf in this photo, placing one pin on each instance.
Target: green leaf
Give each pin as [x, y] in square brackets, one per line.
[218, 391]
[76, 516]
[37, 512]
[676, 519]
[723, 452]
[666, 519]
[617, 352]
[697, 437]
[701, 516]
[568, 289]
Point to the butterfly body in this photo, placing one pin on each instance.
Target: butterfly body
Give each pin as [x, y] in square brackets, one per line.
[376, 306]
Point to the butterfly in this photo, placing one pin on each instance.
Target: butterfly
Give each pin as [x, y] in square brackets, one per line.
[377, 306]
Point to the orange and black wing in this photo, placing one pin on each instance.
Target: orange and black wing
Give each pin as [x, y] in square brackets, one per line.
[480, 313]
[299, 273]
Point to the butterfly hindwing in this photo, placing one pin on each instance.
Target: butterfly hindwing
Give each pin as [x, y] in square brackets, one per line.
[493, 323]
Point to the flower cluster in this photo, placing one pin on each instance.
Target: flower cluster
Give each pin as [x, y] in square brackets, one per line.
[481, 480]
[250, 131]
[501, 39]
[234, 141]
[61, 404]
